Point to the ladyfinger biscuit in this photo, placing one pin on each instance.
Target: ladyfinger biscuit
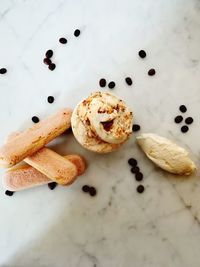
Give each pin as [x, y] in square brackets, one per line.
[31, 140]
[54, 166]
[74, 158]
[25, 176]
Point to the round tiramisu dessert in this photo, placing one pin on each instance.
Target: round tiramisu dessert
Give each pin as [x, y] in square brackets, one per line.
[102, 122]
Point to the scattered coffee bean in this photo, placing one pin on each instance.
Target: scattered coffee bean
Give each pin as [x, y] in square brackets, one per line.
[63, 40]
[139, 176]
[3, 70]
[183, 108]
[50, 99]
[142, 53]
[52, 66]
[35, 119]
[9, 193]
[77, 32]
[189, 120]
[140, 189]
[47, 61]
[49, 53]
[135, 169]
[111, 85]
[135, 127]
[184, 129]
[86, 188]
[52, 185]
[102, 82]
[132, 162]
[151, 72]
[128, 80]
[178, 119]
[92, 191]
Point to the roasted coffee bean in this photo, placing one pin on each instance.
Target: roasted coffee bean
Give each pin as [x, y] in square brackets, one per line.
[35, 119]
[140, 189]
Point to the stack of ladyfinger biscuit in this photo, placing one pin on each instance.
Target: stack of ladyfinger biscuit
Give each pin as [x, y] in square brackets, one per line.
[42, 164]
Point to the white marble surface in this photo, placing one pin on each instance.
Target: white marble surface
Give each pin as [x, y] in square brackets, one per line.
[118, 228]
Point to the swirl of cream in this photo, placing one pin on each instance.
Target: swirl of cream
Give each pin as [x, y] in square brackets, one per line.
[110, 117]
[102, 122]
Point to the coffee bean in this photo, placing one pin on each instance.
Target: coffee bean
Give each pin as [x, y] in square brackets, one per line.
[77, 32]
[142, 53]
[92, 191]
[151, 72]
[183, 108]
[132, 162]
[52, 66]
[86, 188]
[52, 185]
[111, 85]
[135, 169]
[102, 82]
[35, 119]
[63, 40]
[189, 120]
[3, 70]
[9, 193]
[178, 119]
[50, 99]
[128, 81]
[47, 61]
[49, 53]
[139, 176]
[140, 189]
[184, 129]
[135, 127]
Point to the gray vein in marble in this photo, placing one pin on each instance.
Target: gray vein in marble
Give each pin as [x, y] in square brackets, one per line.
[40, 26]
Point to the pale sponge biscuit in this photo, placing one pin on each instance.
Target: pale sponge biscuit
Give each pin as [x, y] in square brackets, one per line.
[102, 122]
[24, 144]
[54, 166]
[25, 176]
[166, 154]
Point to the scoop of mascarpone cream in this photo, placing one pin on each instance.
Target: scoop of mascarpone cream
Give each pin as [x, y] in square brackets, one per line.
[166, 154]
[102, 122]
